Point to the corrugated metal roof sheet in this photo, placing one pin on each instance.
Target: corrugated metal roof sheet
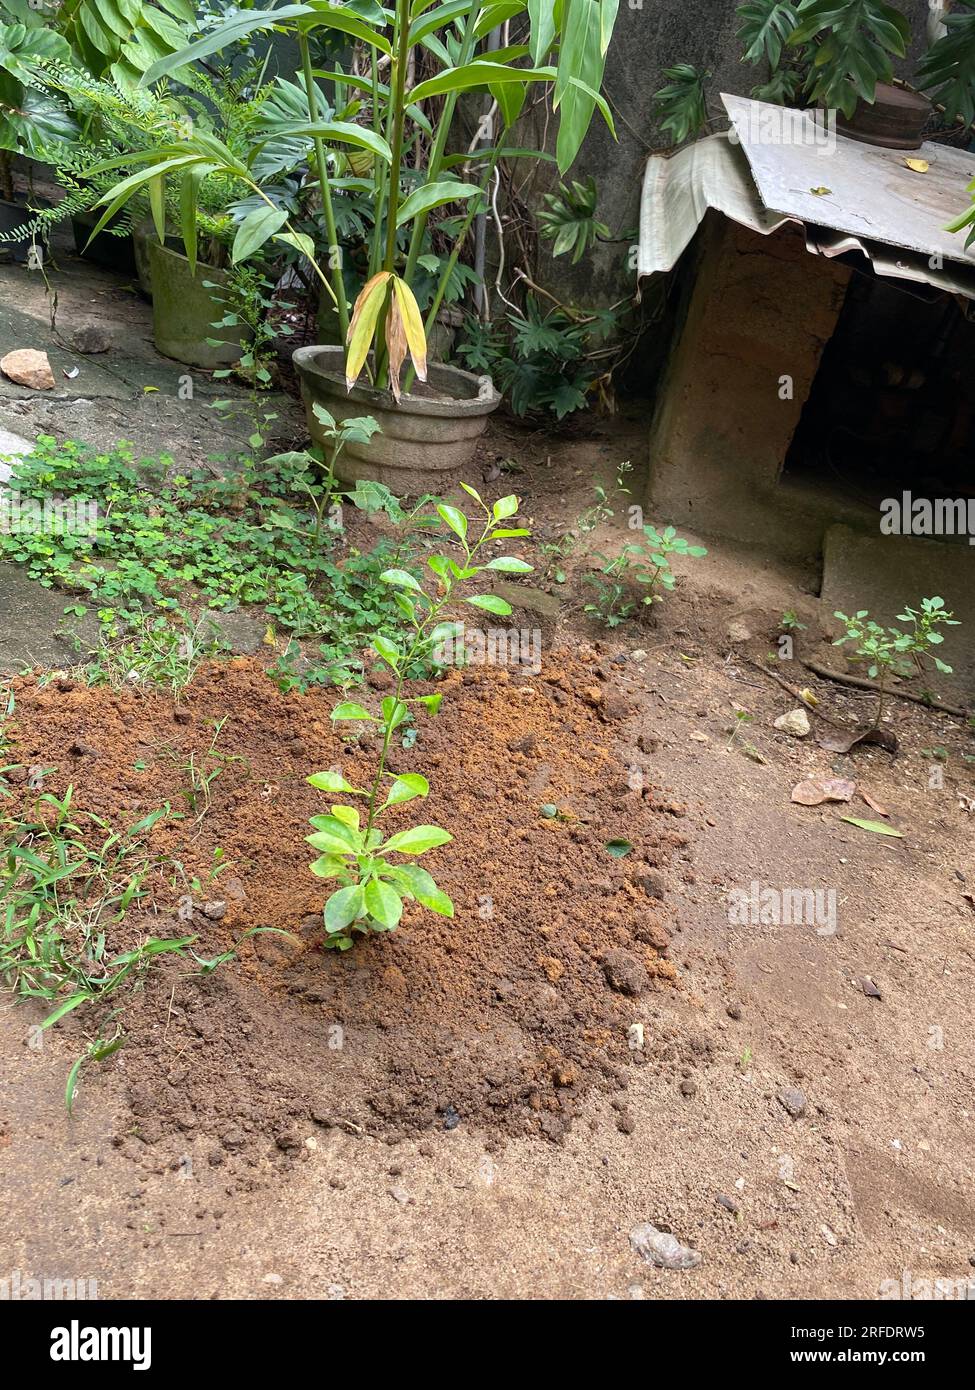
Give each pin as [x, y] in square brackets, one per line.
[868, 199]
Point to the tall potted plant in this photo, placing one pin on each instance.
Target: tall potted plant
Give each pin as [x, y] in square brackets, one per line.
[424, 435]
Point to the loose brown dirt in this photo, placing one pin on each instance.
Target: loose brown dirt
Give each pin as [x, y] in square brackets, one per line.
[504, 1017]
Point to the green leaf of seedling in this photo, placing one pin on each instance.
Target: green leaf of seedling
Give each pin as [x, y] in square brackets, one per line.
[401, 579]
[348, 815]
[431, 703]
[350, 710]
[423, 888]
[454, 518]
[388, 650]
[394, 712]
[405, 787]
[343, 908]
[471, 492]
[418, 840]
[491, 603]
[618, 848]
[328, 866]
[333, 782]
[505, 507]
[509, 564]
[506, 535]
[383, 903]
[334, 837]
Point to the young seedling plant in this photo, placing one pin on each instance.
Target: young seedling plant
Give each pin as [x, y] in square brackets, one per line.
[355, 851]
[891, 651]
[647, 561]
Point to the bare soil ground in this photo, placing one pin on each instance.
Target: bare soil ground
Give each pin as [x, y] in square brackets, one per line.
[484, 1129]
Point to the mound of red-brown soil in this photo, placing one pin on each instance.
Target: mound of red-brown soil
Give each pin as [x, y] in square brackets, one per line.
[502, 1017]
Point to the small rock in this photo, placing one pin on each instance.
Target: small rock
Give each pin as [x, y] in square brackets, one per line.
[728, 1203]
[288, 1139]
[738, 631]
[733, 1010]
[638, 655]
[90, 338]
[663, 1250]
[688, 1088]
[272, 1279]
[399, 1194]
[624, 972]
[796, 723]
[28, 367]
[214, 910]
[451, 1119]
[792, 1101]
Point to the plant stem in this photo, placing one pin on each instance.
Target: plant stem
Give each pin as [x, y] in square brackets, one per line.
[432, 615]
[321, 165]
[467, 46]
[452, 260]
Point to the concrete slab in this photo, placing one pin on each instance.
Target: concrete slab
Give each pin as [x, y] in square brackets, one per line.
[34, 631]
[884, 573]
[128, 392]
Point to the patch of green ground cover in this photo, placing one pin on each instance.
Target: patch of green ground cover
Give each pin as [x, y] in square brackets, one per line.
[168, 543]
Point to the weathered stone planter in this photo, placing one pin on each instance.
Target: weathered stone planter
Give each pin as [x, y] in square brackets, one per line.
[427, 440]
[184, 311]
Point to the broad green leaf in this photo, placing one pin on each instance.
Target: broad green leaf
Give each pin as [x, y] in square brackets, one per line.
[350, 710]
[418, 840]
[454, 518]
[388, 650]
[490, 603]
[348, 815]
[344, 132]
[334, 837]
[257, 228]
[505, 507]
[477, 74]
[242, 24]
[406, 786]
[301, 241]
[384, 903]
[401, 579]
[328, 866]
[394, 712]
[343, 908]
[509, 565]
[542, 16]
[423, 888]
[433, 195]
[331, 782]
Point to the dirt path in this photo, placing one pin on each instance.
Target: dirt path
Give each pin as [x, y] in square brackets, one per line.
[873, 1175]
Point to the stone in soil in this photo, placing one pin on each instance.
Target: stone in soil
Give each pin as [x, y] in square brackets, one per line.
[662, 1249]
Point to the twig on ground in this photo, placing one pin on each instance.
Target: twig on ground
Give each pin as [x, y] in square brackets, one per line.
[861, 683]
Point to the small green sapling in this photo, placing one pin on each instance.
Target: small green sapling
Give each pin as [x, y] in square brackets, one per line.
[353, 848]
[888, 650]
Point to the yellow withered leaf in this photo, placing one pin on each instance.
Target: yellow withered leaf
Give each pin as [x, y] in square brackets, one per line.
[365, 316]
[820, 192]
[395, 342]
[413, 326]
[920, 166]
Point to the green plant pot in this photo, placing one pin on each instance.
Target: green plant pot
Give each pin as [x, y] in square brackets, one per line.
[184, 312]
[427, 441]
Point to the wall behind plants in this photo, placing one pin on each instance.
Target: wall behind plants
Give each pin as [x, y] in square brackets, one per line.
[650, 36]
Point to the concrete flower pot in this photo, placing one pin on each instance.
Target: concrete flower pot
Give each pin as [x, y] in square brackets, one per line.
[184, 312]
[427, 440]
